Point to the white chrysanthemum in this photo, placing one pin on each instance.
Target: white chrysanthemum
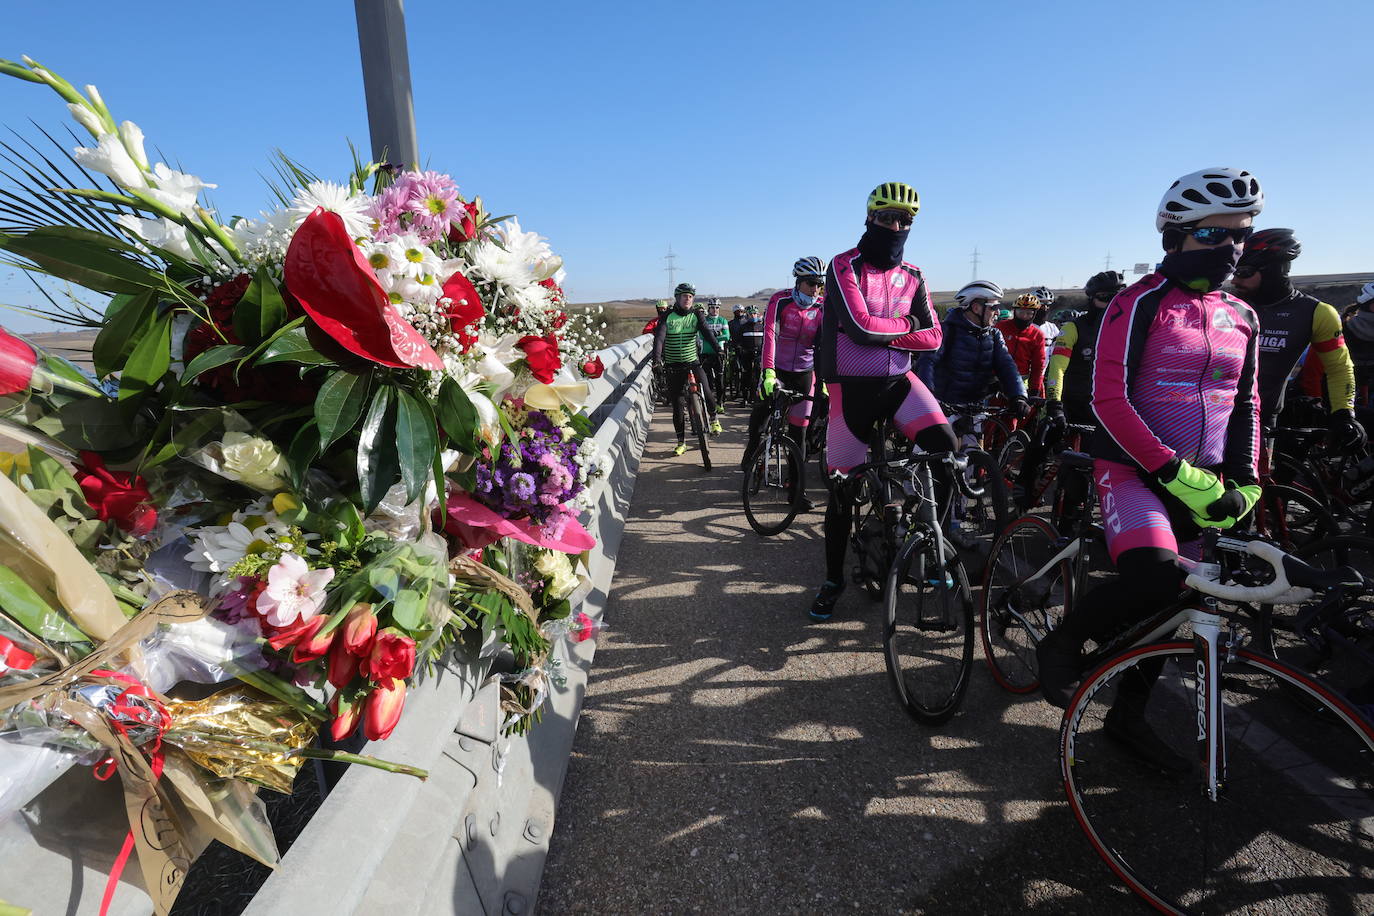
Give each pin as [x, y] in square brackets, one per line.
[336, 198]
[492, 262]
[533, 300]
[531, 248]
[218, 547]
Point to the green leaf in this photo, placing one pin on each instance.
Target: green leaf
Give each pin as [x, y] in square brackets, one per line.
[457, 416]
[385, 581]
[350, 521]
[261, 310]
[150, 360]
[213, 358]
[339, 404]
[377, 464]
[122, 330]
[440, 482]
[49, 474]
[30, 611]
[186, 438]
[83, 262]
[263, 345]
[304, 449]
[96, 425]
[86, 535]
[417, 440]
[409, 609]
[293, 347]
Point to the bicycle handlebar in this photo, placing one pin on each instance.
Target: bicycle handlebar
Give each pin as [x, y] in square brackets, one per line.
[1283, 590]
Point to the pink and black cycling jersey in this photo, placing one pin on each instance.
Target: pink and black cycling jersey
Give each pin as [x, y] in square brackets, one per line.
[789, 333]
[873, 319]
[1176, 374]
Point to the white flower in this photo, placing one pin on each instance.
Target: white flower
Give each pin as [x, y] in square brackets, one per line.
[159, 233]
[253, 460]
[177, 190]
[531, 299]
[294, 591]
[530, 248]
[263, 241]
[215, 548]
[492, 262]
[86, 118]
[132, 135]
[112, 159]
[336, 198]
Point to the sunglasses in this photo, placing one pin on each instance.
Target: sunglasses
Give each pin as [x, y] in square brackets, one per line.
[1246, 270]
[893, 218]
[812, 282]
[1215, 235]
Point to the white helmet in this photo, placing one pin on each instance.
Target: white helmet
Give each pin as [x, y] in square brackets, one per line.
[1208, 193]
[1366, 294]
[978, 289]
[1044, 295]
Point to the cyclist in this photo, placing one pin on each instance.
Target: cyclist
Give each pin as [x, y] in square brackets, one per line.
[877, 311]
[1174, 389]
[1068, 382]
[1042, 319]
[790, 323]
[660, 309]
[1291, 321]
[676, 350]
[750, 349]
[1359, 334]
[1026, 342]
[973, 357]
[712, 357]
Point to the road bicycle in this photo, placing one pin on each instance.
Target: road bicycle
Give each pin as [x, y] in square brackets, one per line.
[1270, 804]
[697, 415]
[774, 487]
[990, 512]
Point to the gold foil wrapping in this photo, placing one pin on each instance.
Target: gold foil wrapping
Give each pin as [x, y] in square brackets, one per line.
[231, 734]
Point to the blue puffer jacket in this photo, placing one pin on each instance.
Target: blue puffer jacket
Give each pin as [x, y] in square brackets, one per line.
[968, 362]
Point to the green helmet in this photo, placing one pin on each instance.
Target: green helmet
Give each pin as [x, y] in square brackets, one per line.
[685, 289]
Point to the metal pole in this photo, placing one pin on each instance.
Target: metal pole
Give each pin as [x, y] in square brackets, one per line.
[386, 81]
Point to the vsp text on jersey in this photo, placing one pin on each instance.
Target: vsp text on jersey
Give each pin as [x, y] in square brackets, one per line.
[1176, 374]
[789, 335]
[873, 319]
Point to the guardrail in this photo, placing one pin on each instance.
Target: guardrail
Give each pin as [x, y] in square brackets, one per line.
[474, 836]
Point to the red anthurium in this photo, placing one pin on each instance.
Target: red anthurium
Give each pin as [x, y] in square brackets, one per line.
[17, 360]
[116, 496]
[541, 353]
[328, 275]
[593, 368]
[382, 709]
[465, 308]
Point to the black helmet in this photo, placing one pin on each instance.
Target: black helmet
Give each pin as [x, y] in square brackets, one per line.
[685, 288]
[1269, 247]
[1108, 281]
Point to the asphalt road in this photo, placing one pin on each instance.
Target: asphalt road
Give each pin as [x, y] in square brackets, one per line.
[733, 755]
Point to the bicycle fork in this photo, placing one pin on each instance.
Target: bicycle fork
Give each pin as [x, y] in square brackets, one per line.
[1207, 661]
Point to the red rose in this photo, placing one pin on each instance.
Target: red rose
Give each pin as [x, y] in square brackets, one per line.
[593, 367]
[116, 496]
[465, 309]
[17, 360]
[541, 354]
[392, 656]
[467, 226]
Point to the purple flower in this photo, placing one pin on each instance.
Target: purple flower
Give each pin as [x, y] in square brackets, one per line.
[522, 486]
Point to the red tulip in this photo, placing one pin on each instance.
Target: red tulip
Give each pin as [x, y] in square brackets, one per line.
[347, 714]
[382, 709]
[541, 354]
[358, 629]
[116, 496]
[343, 664]
[313, 644]
[336, 287]
[593, 368]
[17, 360]
[392, 656]
[302, 629]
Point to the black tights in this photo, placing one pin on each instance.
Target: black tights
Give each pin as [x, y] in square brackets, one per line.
[839, 510]
[677, 394]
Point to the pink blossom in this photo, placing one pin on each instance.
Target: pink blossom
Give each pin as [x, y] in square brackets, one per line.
[423, 203]
[294, 591]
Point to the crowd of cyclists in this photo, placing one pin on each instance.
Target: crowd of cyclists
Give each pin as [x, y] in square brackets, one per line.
[1170, 390]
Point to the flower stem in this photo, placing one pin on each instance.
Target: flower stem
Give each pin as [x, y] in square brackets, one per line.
[318, 753]
[289, 694]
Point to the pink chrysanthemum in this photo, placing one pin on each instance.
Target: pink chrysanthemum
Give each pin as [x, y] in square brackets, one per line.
[423, 203]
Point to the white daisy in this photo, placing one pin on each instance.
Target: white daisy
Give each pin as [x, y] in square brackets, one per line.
[336, 198]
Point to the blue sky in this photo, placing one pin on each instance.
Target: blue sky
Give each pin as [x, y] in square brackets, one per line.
[748, 134]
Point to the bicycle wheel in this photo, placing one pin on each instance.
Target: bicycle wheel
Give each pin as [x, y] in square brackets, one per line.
[1293, 517]
[1290, 832]
[773, 486]
[1018, 607]
[1342, 664]
[1012, 454]
[989, 513]
[928, 640]
[697, 408]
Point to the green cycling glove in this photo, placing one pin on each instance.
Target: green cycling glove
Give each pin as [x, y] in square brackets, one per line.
[770, 381]
[1232, 507]
[1196, 488]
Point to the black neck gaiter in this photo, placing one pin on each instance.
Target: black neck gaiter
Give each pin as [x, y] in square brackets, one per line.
[1274, 288]
[1203, 269]
[882, 247]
